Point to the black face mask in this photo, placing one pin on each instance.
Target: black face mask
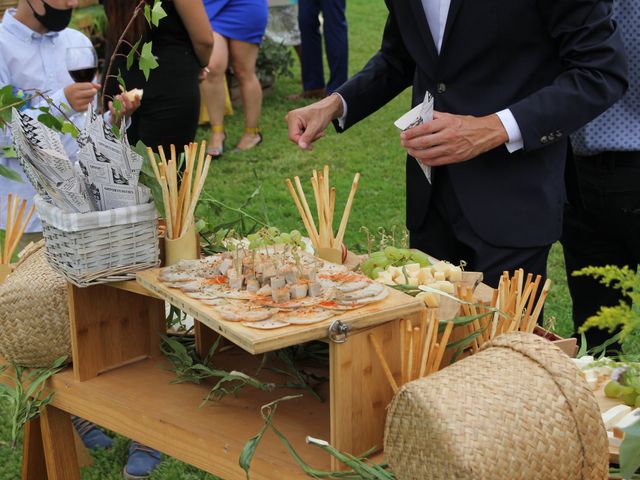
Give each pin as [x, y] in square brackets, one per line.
[53, 19]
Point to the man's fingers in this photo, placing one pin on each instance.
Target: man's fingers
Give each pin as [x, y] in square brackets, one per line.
[309, 136]
[427, 128]
[296, 126]
[427, 141]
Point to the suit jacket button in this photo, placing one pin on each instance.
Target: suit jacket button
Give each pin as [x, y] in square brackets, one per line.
[544, 139]
[441, 88]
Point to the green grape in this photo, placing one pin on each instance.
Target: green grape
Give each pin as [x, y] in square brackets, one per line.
[393, 253]
[420, 257]
[376, 272]
[637, 404]
[629, 399]
[273, 231]
[285, 238]
[626, 390]
[296, 236]
[252, 236]
[378, 255]
[612, 389]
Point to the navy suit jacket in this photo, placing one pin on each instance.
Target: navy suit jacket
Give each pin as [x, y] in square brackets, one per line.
[556, 64]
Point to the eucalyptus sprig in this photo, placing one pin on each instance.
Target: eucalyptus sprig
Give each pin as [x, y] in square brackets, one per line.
[188, 368]
[359, 467]
[22, 391]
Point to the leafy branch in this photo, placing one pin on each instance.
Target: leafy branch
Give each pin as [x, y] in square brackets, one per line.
[188, 368]
[360, 468]
[25, 397]
[146, 59]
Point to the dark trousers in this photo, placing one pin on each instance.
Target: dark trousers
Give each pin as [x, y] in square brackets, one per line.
[601, 227]
[447, 235]
[335, 41]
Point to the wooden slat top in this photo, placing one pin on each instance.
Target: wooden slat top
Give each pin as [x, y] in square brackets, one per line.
[396, 305]
[139, 402]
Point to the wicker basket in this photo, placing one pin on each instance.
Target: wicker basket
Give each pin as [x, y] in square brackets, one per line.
[518, 409]
[100, 247]
[34, 315]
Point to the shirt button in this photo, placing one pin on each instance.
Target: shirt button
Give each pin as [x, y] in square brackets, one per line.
[441, 88]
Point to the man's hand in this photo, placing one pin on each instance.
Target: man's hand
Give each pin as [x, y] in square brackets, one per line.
[80, 95]
[453, 138]
[128, 106]
[307, 124]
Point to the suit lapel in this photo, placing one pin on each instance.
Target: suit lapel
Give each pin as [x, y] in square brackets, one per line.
[454, 8]
[423, 27]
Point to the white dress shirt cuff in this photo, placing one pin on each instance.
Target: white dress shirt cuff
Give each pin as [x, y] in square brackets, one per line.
[510, 124]
[343, 118]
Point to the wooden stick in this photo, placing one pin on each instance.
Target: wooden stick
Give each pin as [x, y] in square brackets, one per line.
[16, 227]
[302, 213]
[347, 210]
[417, 336]
[383, 363]
[410, 351]
[7, 226]
[13, 247]
[433, 348]
[196, 196]
[403, 347]
[167, 205]
[426, 346]
[536, 312]
[332, 206]
[443, 345]
[303, 199]
[532, 298]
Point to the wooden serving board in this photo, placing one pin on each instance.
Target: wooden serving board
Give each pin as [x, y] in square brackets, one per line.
[396, 305]
[605, 404]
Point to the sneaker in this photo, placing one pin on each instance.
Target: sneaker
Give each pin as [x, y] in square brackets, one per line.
[142, 461]
[90, 434]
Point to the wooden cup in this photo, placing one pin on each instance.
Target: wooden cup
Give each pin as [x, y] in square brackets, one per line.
[5, 270]
[333, 255]
[186, 247]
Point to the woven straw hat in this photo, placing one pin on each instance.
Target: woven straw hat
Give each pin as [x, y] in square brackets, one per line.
[518, 409]
[34, 315]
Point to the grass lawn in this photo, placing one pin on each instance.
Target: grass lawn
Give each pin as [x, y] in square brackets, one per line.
[372, 148]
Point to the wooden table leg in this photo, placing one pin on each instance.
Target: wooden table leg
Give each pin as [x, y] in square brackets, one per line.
[59, 445]
[34, 466]
[360, 392]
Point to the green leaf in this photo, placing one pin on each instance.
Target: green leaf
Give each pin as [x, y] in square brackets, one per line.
[147, 13]
[70, 128]
[630, 450]
[50, 121]
[131, 56]
[147, 60]
[10, 174]
[157, 13]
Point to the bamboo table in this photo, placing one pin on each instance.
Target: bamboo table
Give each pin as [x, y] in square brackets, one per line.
[120, 381]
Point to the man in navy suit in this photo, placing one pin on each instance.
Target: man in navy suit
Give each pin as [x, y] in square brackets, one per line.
[334, 30]
[511, 80]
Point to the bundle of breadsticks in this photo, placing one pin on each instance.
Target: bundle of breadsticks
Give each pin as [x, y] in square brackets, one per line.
[15, 224]
[422, 347]
[324, 195]
[180, 198]
[515, 306]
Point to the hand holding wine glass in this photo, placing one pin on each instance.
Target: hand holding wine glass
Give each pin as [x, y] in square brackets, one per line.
[82, 64]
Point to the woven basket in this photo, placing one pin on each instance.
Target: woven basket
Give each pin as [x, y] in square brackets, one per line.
[519, 409]
[100, 247]
[34, 315]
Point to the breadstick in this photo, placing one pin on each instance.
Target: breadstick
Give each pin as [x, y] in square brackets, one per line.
[383, 363]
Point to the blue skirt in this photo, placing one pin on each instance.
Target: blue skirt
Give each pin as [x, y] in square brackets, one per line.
[243, 20]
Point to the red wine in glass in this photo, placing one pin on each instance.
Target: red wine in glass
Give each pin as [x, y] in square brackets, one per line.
[83, 74]
[82, 63]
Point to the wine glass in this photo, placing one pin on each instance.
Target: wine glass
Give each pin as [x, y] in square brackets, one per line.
[82, 64]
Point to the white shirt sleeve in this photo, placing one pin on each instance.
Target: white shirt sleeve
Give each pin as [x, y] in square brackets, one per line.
[510, 124]
[343, 118]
